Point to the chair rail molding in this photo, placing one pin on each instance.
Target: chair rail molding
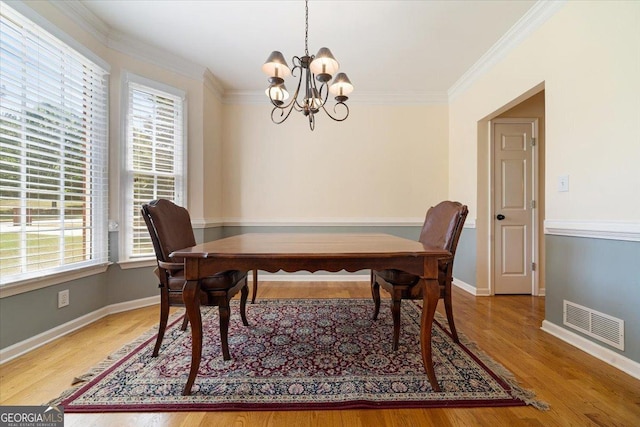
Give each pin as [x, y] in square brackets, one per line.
[611, 230]
[323, 222]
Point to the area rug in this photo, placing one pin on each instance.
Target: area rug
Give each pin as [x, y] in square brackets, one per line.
[298, 354]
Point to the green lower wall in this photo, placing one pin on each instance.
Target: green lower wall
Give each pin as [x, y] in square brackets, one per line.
[600, 274]
[26, 315]
[31, 313]
[464, 267]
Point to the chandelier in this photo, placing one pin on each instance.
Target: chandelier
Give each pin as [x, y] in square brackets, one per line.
[310, 97]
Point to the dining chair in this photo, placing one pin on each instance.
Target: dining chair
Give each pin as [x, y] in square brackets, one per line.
[170, 229]
[442, 228]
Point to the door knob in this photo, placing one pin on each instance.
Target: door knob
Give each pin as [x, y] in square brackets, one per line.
[500, 217]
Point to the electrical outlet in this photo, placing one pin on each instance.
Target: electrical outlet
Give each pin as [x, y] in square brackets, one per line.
[63, 298]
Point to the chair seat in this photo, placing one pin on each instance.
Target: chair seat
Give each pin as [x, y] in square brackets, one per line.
[397, 277]
[401, 278]
[220, 281]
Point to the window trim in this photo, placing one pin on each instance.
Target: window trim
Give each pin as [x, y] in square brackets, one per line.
[128, 77]
[40, 282]
[42, 279]
[45, 24]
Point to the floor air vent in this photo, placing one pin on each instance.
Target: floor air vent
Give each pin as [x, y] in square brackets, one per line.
[600, 326]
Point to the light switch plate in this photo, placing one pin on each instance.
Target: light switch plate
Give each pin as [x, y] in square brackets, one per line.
[563, 183]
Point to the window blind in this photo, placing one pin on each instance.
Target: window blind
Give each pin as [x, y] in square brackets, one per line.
[53, 154]
[154, 158]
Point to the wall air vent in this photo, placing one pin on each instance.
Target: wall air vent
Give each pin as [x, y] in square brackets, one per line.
[597, 325]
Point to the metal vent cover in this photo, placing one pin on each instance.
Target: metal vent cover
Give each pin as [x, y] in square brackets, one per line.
[600, 326]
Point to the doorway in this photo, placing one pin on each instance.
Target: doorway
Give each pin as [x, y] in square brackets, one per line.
[518, 252]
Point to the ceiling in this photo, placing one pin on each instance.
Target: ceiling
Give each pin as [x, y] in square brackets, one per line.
[384, 46]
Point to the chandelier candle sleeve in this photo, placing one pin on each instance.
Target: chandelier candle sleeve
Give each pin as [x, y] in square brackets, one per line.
[314, 74]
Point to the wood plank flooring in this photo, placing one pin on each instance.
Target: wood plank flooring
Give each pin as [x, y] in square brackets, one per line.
[581, 390]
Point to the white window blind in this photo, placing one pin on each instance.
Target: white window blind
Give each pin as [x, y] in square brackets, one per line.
[155, 144]
[53, 154]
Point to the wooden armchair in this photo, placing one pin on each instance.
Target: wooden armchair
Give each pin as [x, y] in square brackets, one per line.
[442, 228]
[170, 229]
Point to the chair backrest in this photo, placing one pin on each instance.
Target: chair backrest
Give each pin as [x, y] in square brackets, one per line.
[443, 225]
[169, 226]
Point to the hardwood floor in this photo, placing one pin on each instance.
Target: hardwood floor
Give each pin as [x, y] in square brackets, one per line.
[581, 390]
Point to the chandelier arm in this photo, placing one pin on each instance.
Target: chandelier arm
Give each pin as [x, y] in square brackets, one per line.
[296, 103]
[337, 119]
[282, 111]
[324, 87]
[294, 98]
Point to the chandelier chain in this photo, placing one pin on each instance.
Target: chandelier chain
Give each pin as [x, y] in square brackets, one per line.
[306, 27]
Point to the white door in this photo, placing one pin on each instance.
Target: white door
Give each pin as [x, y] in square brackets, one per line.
[513, 205]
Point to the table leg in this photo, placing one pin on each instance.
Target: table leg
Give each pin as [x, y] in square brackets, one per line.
[255, 286]
[190, 296]
[430, 301]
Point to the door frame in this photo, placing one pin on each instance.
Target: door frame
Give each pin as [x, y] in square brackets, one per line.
[535, 193]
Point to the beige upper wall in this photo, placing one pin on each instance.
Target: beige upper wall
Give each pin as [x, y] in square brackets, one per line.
[210, 184]
[383, 163]
[390, 162]
[588, 57]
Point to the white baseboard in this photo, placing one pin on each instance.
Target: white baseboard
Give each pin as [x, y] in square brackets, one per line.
[471, 289]
[464, 286]
[608, 356]
[18, 349]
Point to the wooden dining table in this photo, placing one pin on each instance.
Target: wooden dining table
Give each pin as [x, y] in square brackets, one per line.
[311, 252]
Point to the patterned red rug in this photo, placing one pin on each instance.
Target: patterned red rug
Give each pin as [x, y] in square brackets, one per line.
[298, 354]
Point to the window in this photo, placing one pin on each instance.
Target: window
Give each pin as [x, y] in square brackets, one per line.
[154, 157]
[53, 154]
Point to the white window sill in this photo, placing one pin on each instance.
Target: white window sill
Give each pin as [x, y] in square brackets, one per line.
[49, 280]
[138, 263]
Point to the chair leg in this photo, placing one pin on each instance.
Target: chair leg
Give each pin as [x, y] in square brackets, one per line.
[395, 313]
[224, 328]
[185, 322]
[375, 292]
[255, 286]
[244, 294]
[449, 309]
[164, 317]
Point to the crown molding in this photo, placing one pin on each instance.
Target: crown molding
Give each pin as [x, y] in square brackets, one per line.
[86, 19]
[531, 21]
[131, 46]
[211, 82]
[126, 44]
[618, 230]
